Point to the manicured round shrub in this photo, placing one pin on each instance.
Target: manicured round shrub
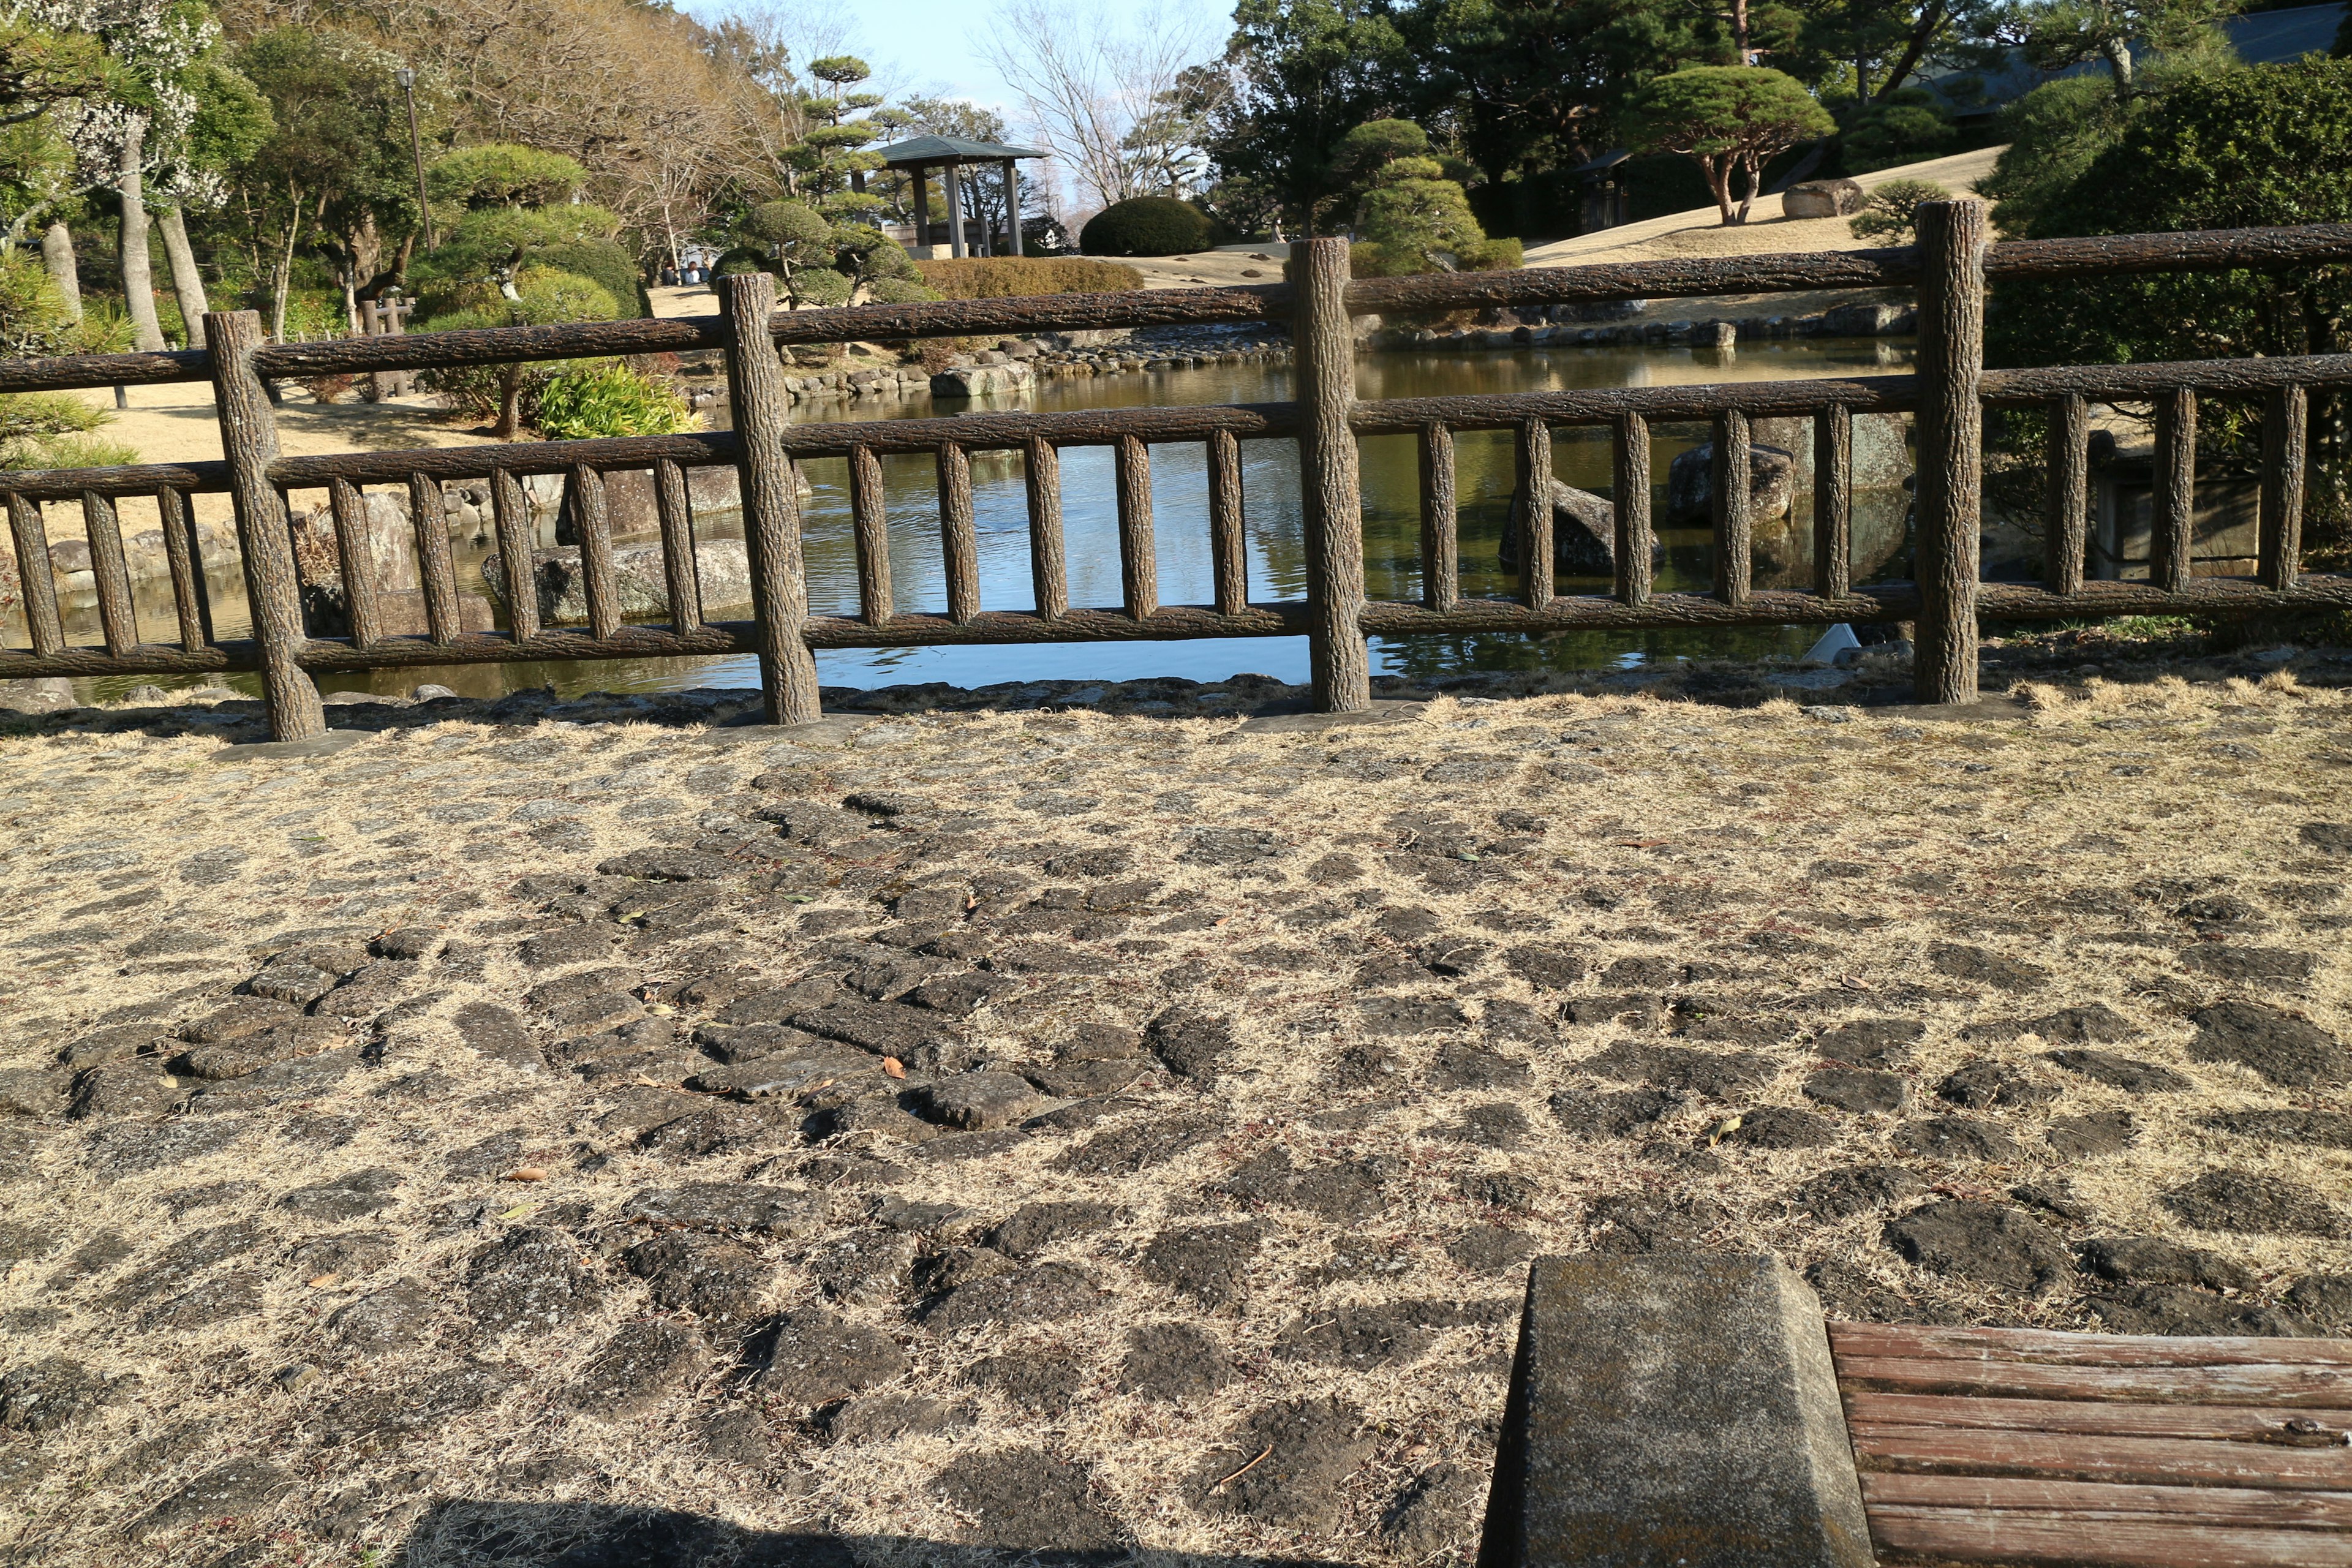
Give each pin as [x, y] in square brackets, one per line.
[742, 258]
[1146, 226]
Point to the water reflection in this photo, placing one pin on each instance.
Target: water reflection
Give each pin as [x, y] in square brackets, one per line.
[1180, 503]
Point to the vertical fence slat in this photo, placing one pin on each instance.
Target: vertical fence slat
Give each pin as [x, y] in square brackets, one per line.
[873, 530]
[37, 574]
[2173, 508]
[762, 408]
[681, 572]
[1531, 478]
[1331, 488]
[1441, 521]
[428, 518]
[118, 621]
[1139, 566]
[1228, 550]
[1949, 493]
[192, 598]
[250, 441]
[2066, 524]
[511, 510]
[1629, 478]
[958, 535]
[2287, 419]
[591, 518]
[1833, 501]
[1734, 507]
[350, 511]
[1049, 572]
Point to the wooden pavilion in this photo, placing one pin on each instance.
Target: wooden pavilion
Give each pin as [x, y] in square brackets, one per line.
[948, 154]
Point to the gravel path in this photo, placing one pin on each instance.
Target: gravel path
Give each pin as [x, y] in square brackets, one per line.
[618, 1143]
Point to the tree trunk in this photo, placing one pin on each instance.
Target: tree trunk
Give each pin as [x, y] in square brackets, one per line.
[1931, 17]
[138, 272]
[58, 255]
[1739, 29]
[1753, 168]
[282, 275]
[187, 282]
[1718, 180]
[2119, 60]
[510, 403]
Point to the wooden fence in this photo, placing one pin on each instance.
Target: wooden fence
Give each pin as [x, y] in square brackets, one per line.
[1948, 269]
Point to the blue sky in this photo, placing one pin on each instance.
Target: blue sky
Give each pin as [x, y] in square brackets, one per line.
[929, 46]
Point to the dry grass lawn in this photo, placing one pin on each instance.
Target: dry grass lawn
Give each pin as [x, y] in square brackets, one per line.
[1332, 1027]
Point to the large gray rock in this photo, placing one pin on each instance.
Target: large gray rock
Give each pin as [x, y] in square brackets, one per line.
[1823, 198]
[724, 565]
[1678, 1408]
[1584, 532]
[1690, 485]
[981, 379]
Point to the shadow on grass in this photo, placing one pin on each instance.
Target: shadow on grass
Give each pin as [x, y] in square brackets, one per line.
[466, 1533]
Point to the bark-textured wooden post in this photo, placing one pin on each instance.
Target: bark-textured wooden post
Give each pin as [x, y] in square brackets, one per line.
[1629, 480]
[1949, 492]
[2173, 508]
[1328, 486]
[1833, 501]
[2286, 423]
[1531, 476]
[249, 442]
[772, 512]
[1441, 541]
[1228, 547]
[1048, 563]
[1731, 451]
[2066, 527]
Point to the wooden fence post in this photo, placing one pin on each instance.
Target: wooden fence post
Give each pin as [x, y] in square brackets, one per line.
[1949, 490]
[1328, 488]
[250, 441]
[772, 512]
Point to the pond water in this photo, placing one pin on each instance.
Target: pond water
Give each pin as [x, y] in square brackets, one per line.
[1180, 502]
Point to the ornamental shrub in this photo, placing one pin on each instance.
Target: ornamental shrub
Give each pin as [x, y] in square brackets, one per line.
[1013, 277]
[1888, 214]
[1146, 226]
[593, 399]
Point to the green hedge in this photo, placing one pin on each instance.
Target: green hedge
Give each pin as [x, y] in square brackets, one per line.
[1012, 276]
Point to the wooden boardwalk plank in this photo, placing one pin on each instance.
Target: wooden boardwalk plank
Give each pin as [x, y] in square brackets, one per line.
[2154, 1461]
[2098, 1501]
[1967, 1535]
[2295, 1387]
[2219, 1422]
[1910, 1341]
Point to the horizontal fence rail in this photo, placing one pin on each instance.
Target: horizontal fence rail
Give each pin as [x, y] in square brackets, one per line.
[1945, 394]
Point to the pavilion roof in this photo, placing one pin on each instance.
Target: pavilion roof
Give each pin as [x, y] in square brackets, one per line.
[944, 149]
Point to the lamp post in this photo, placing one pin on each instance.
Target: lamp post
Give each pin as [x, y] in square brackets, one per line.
[407, 80]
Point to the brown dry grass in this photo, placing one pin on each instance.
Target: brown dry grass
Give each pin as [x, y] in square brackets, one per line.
[1686, 800]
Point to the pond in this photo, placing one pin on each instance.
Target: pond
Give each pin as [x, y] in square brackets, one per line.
[1180, 503]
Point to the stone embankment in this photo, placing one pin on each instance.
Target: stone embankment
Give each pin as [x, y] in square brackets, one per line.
[963, 1128]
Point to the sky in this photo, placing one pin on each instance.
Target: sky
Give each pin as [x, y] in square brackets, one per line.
[927, 47]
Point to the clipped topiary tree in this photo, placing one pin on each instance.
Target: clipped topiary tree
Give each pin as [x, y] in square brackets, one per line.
[1146, 226]
[1414, 220]
[1888, 215]
[538, 295]
[1730, 119]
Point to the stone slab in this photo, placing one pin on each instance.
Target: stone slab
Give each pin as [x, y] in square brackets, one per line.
[1674, 1411]
[830, 728]
[325, 746]
[1379, 712]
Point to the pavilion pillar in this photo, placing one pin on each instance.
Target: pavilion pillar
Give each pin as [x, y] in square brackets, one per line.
[922, 206]
[952, 189]
[1012, 206]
